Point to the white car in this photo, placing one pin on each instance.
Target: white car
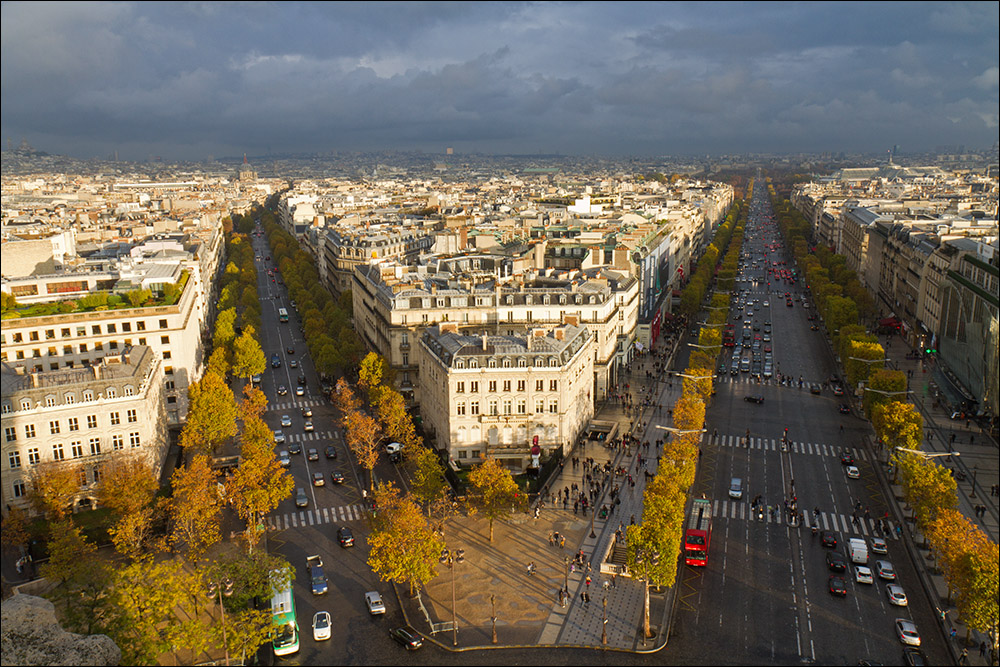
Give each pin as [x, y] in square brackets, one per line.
[863, 574]
[884, 570]
[279, 437]
[300, 391]
[286, 421]
[906, 630]
[284, 459]
[308, 426]
[853, 472]
[896, 595]
[321, 626]
[374, 602]
[879, 545]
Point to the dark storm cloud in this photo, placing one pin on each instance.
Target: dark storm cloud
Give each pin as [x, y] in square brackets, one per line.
[184, 80]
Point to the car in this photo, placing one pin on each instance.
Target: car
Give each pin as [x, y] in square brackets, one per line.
[307, 426]
[312, 454]
[828, 539]
[847, 459]
[345, 537]
[321, 626]
[863, 574]
[293, 364]
[814, 388]
[395, 451]
[407, 637]
[374, 603]
[767, 303]
[814, 327]
[290, 350]
[318, 479]
[295, 448]
[838, 586]
[284, 459]
[286, 421]
[317, 578]
[896, 595]
[300, 391]
[754, 399]
[789, 303]
[275, 362]
[307, 413]
[836, 561]
[914, 657]
[301, 499]
[906, 630]
[879, 546]
[279, 438]
[330, 451]
[838, 390]
[845, 409]
[852, 472]
[282, 390]
[884, 570]
[255, 379]
[267, 259]
[301, 380]
[736, 488]
[337, 477]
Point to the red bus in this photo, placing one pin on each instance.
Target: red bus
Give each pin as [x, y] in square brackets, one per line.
[698, 535]
[729, 336]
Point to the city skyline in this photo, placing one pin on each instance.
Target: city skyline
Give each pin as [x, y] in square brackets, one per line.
[189, 81]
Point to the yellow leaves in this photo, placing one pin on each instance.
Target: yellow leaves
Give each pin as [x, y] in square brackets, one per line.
[898, 424]
[494, 489]
[403, 547]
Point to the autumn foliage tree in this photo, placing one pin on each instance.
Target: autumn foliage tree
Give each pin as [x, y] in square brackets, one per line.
[54, 485]
[128, 487]
[211, 415]
[195, 508]
[494, 491]
[404, 548]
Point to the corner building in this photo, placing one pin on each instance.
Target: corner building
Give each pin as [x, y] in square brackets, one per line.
[497, 396]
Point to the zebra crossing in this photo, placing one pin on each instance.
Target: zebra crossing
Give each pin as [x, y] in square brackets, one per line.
[313, 436]
[293, 405]
[841, 523]
[315, 517]
[775, 445]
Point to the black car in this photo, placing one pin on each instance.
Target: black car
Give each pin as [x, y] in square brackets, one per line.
[847, 459]
[330, 451]
[407, 637]
[838, 586]
[845, 409]
[345, 536]
[290, 350]
[914, 657]
[301, 381]
[337, 477]
[754, 399]
[829, 539]
[835, 561]
[295, 448]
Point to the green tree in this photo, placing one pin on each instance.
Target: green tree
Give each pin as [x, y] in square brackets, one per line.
[404, 548]
[429, 483]
[248, 358]
[195, 508]
[82, 577]
[137, 297]
[211, 415]
[494, 491]
[370, 374]
[259, 483]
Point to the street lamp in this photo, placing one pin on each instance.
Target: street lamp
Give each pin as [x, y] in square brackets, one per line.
[451, 558]
[678, 431]
[888, 393]
[604, 618]
[704, 347]
[928, 455]
[493, 617]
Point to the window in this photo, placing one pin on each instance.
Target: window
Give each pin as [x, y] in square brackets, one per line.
[19, 489]
[474, 408]
[126, 327]
[111, 392]
[539, 406]
[132, 417]
[10, 434]
[163, 324]
[95, 446]
[507, 406]
[460, 388]
[474, 387]
[506, 363]
[57, 452]
[112, 328]
[553, 407]
[129, 390]
[95, 330]
[83, 347]
[133, 439]
[69, 399]
[29, 430]
[82, 476]
[539, 385]
[522, 407]
[25, 404]
[460, 406]
[14, 458]
[117, 442]
[553, 385]
[493, 386]
[539, 362]
[521, 363]
[116, 419]
[81, 331]
[18, 338]
[462, 454]
[54, 427]
[91, 421]
[140, 325]
[506, 385]
[97, 474]
[520, 385]
[167, 355]
[406, 359]
[50, 401]
[88, 396]
[7, 408]
[493, 363]
[76, 449]
[164, 340]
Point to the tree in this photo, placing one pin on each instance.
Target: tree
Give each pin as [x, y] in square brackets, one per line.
[898, 424]
[248, 358]
[370, 373]
[884, 386]
[494, 490]
[54, 486]
[404, 548]
[253, 404]
[259, 482]
[137, 297]
[980, 580]
[194, 508]
[14, 534]
[128, 488]
[363, 434]
[429, 483]
[397, 424]
[225, 323]
[82, 577]
[345, 401]
[218, 363]
[211, 416]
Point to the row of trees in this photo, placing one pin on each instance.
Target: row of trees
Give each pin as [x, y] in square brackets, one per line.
[654, 545]
[967, 557]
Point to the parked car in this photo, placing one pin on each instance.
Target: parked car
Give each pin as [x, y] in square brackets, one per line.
[407, 637]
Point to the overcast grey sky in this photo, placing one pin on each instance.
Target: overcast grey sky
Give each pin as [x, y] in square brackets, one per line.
[188, 80]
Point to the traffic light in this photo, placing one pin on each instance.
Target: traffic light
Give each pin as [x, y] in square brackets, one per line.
[930, 351]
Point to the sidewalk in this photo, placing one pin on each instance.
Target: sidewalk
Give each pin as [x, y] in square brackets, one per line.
[977, 463]
[529, 610]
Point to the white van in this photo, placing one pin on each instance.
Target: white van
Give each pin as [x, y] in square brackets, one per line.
[736, 488]
[858, 550]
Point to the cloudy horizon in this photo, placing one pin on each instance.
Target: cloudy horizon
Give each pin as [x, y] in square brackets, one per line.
[189, 80]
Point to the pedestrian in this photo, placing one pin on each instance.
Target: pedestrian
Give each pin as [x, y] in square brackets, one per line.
[964, 660]
[552, 540]
[588, 580]
[562, 542]
[952, 633]
[982, 649]
[614, 584]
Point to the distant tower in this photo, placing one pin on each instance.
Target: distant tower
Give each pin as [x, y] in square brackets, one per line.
[449, 151]
[247, 174]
